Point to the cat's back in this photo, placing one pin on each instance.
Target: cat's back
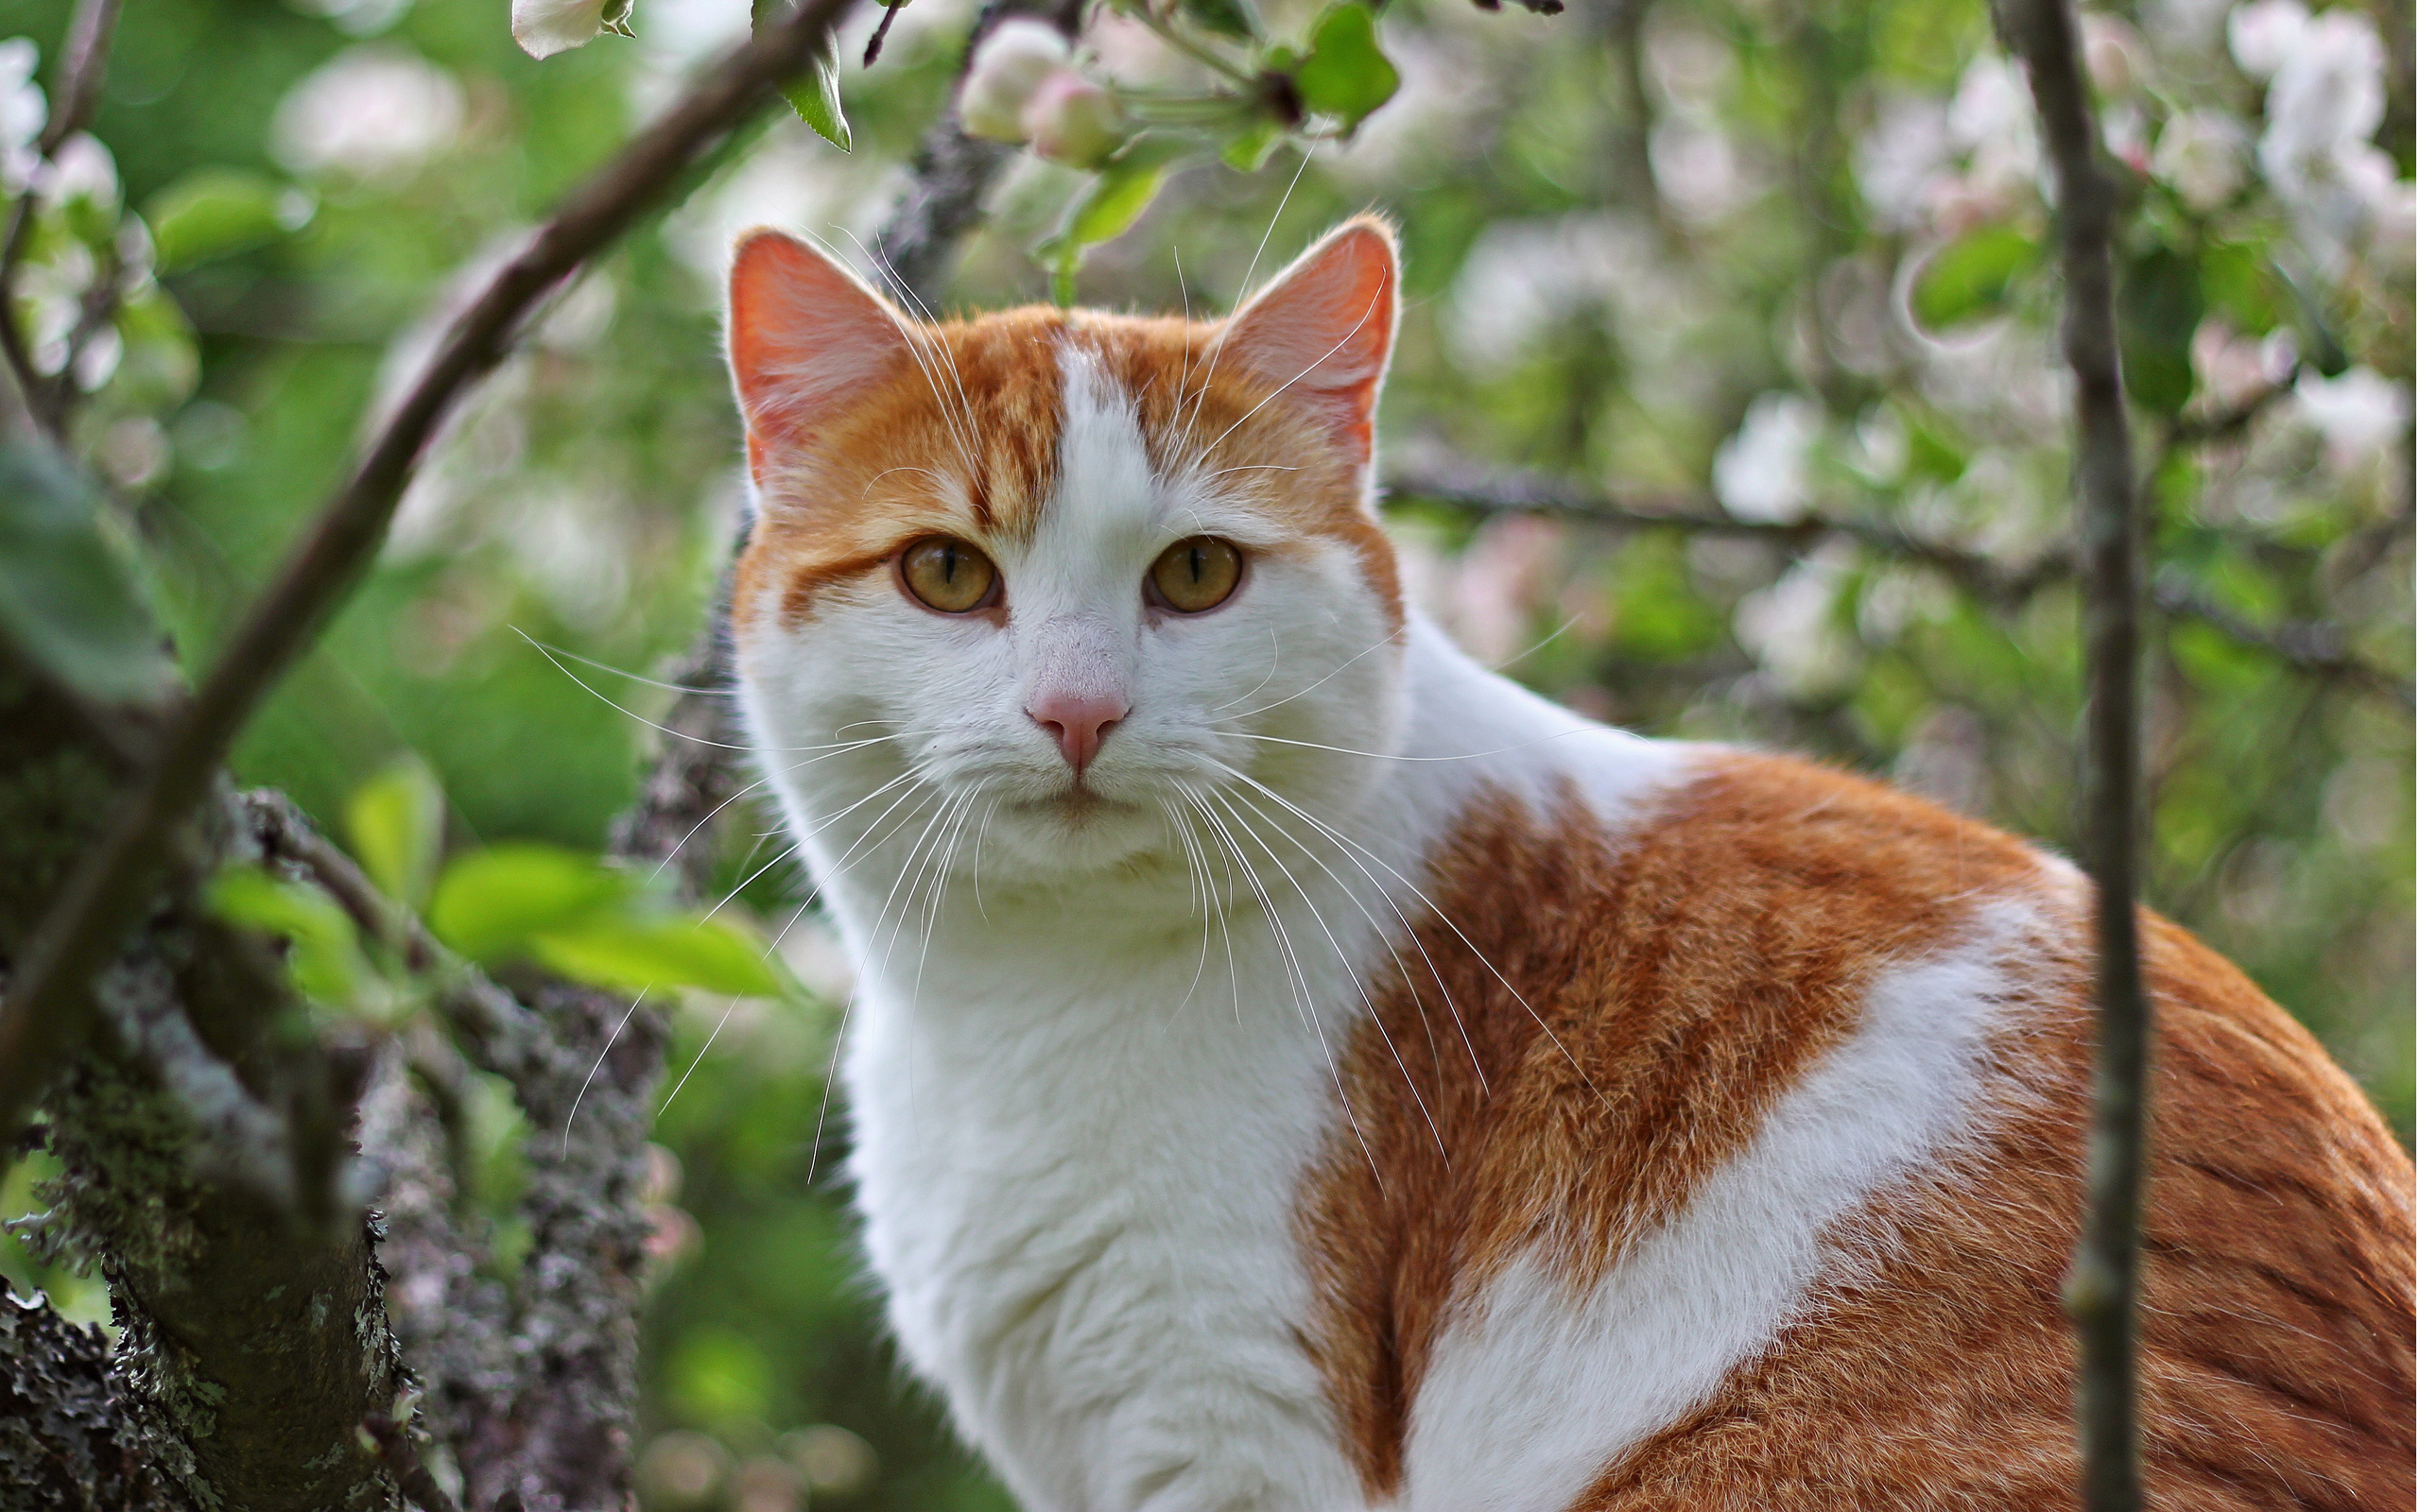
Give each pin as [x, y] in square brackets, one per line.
[1729, 1154]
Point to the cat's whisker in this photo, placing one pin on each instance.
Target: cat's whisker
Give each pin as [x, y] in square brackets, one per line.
[1344, 958]
[1219, 342]
[585, 1082]
[608, 666]
[924, 313]
[1321, 828]
[940, 883]
[1338, 671]
[678, 735]
[1397, 756]
[975, 862]
[1275, 656]
[1303, 997]
[865, 842]
[784, 854]
[1481, 958]
[698, 1060]
[682, 844]
[1381, 932]
[1199, 885]
[882, 916]
[925, 348]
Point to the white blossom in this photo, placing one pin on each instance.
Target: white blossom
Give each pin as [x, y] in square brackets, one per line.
[1900, 157]
[81, 168]
[374, 111]
[1792, 628]
[2326, 96]
[2357, 414]
[1761, 471]
[1697, 171]
[2328, 91]
[2262, 36]
[1991, 119]
[1006, 72]
[23, 111]
[2113, 53]
[546, 28]
[2233, 371]
[2202, 156]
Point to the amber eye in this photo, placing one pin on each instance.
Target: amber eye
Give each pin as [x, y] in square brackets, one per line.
[946, 574]
[1197, 574]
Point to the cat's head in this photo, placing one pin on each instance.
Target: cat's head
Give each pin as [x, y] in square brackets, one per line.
[1068, 572]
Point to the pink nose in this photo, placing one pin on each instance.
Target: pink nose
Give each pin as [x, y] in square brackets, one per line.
[1077, 722]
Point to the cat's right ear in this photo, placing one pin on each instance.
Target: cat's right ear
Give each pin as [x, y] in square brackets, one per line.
[807, 338]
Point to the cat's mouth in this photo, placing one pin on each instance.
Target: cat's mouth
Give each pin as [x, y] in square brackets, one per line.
[1075, 804]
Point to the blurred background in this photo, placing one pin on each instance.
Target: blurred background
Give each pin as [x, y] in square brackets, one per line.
[1779, 264]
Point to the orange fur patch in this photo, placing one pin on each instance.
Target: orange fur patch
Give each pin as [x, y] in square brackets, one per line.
[1689, 972]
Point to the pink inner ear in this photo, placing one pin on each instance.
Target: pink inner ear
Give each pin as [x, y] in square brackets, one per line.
[806, 338]
[1325, 328]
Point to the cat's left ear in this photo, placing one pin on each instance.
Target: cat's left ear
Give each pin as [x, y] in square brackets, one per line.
[1325, 326]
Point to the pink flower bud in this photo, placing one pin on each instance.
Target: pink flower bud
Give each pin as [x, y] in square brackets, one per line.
[1010, 66]
[1072, 120]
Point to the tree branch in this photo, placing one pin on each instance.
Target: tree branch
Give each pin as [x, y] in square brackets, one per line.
[2316, 648]
[2102, 1283]
[108, 889]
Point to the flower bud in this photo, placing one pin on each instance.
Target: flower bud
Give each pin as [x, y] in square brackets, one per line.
[546, 28]
[1072, 120]
[1007, 69]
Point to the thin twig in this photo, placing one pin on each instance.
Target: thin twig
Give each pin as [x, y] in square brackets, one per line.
[111, 883]
[2316, 648]
[2102, 1281]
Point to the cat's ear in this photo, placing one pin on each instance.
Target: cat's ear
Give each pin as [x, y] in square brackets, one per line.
[1324, 327]
[807, 338]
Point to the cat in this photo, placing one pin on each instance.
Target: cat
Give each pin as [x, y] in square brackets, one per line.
[1295, 1068]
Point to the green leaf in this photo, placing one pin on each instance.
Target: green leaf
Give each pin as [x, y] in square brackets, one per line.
[162, 360]
[816, 100]
[633, 954]
[489, 902]
[1124, 189]
[67, 599]
[1346, 74]
[397, 824]
[1225, 18]
[324, 955]
[2159, 305]
[2241, 283]
[1249, 147]
[1970, 277]
[213, 213]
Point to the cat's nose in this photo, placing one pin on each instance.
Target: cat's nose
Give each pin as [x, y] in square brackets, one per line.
[1077, 722]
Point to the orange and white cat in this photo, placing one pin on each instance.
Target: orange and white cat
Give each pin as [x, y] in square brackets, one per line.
[1295, 1068]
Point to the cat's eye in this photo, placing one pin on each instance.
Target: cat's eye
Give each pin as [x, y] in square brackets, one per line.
[947, 574]
[1196, 575]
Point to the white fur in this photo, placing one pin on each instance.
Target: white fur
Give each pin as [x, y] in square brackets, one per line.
[1092, 1055]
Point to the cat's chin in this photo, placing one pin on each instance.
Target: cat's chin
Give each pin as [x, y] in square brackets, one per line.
[1068, 832]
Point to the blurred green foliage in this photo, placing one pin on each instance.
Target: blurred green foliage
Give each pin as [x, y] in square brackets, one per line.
[1785, 257]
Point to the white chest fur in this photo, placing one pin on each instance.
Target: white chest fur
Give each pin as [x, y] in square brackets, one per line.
[1077, 1154]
